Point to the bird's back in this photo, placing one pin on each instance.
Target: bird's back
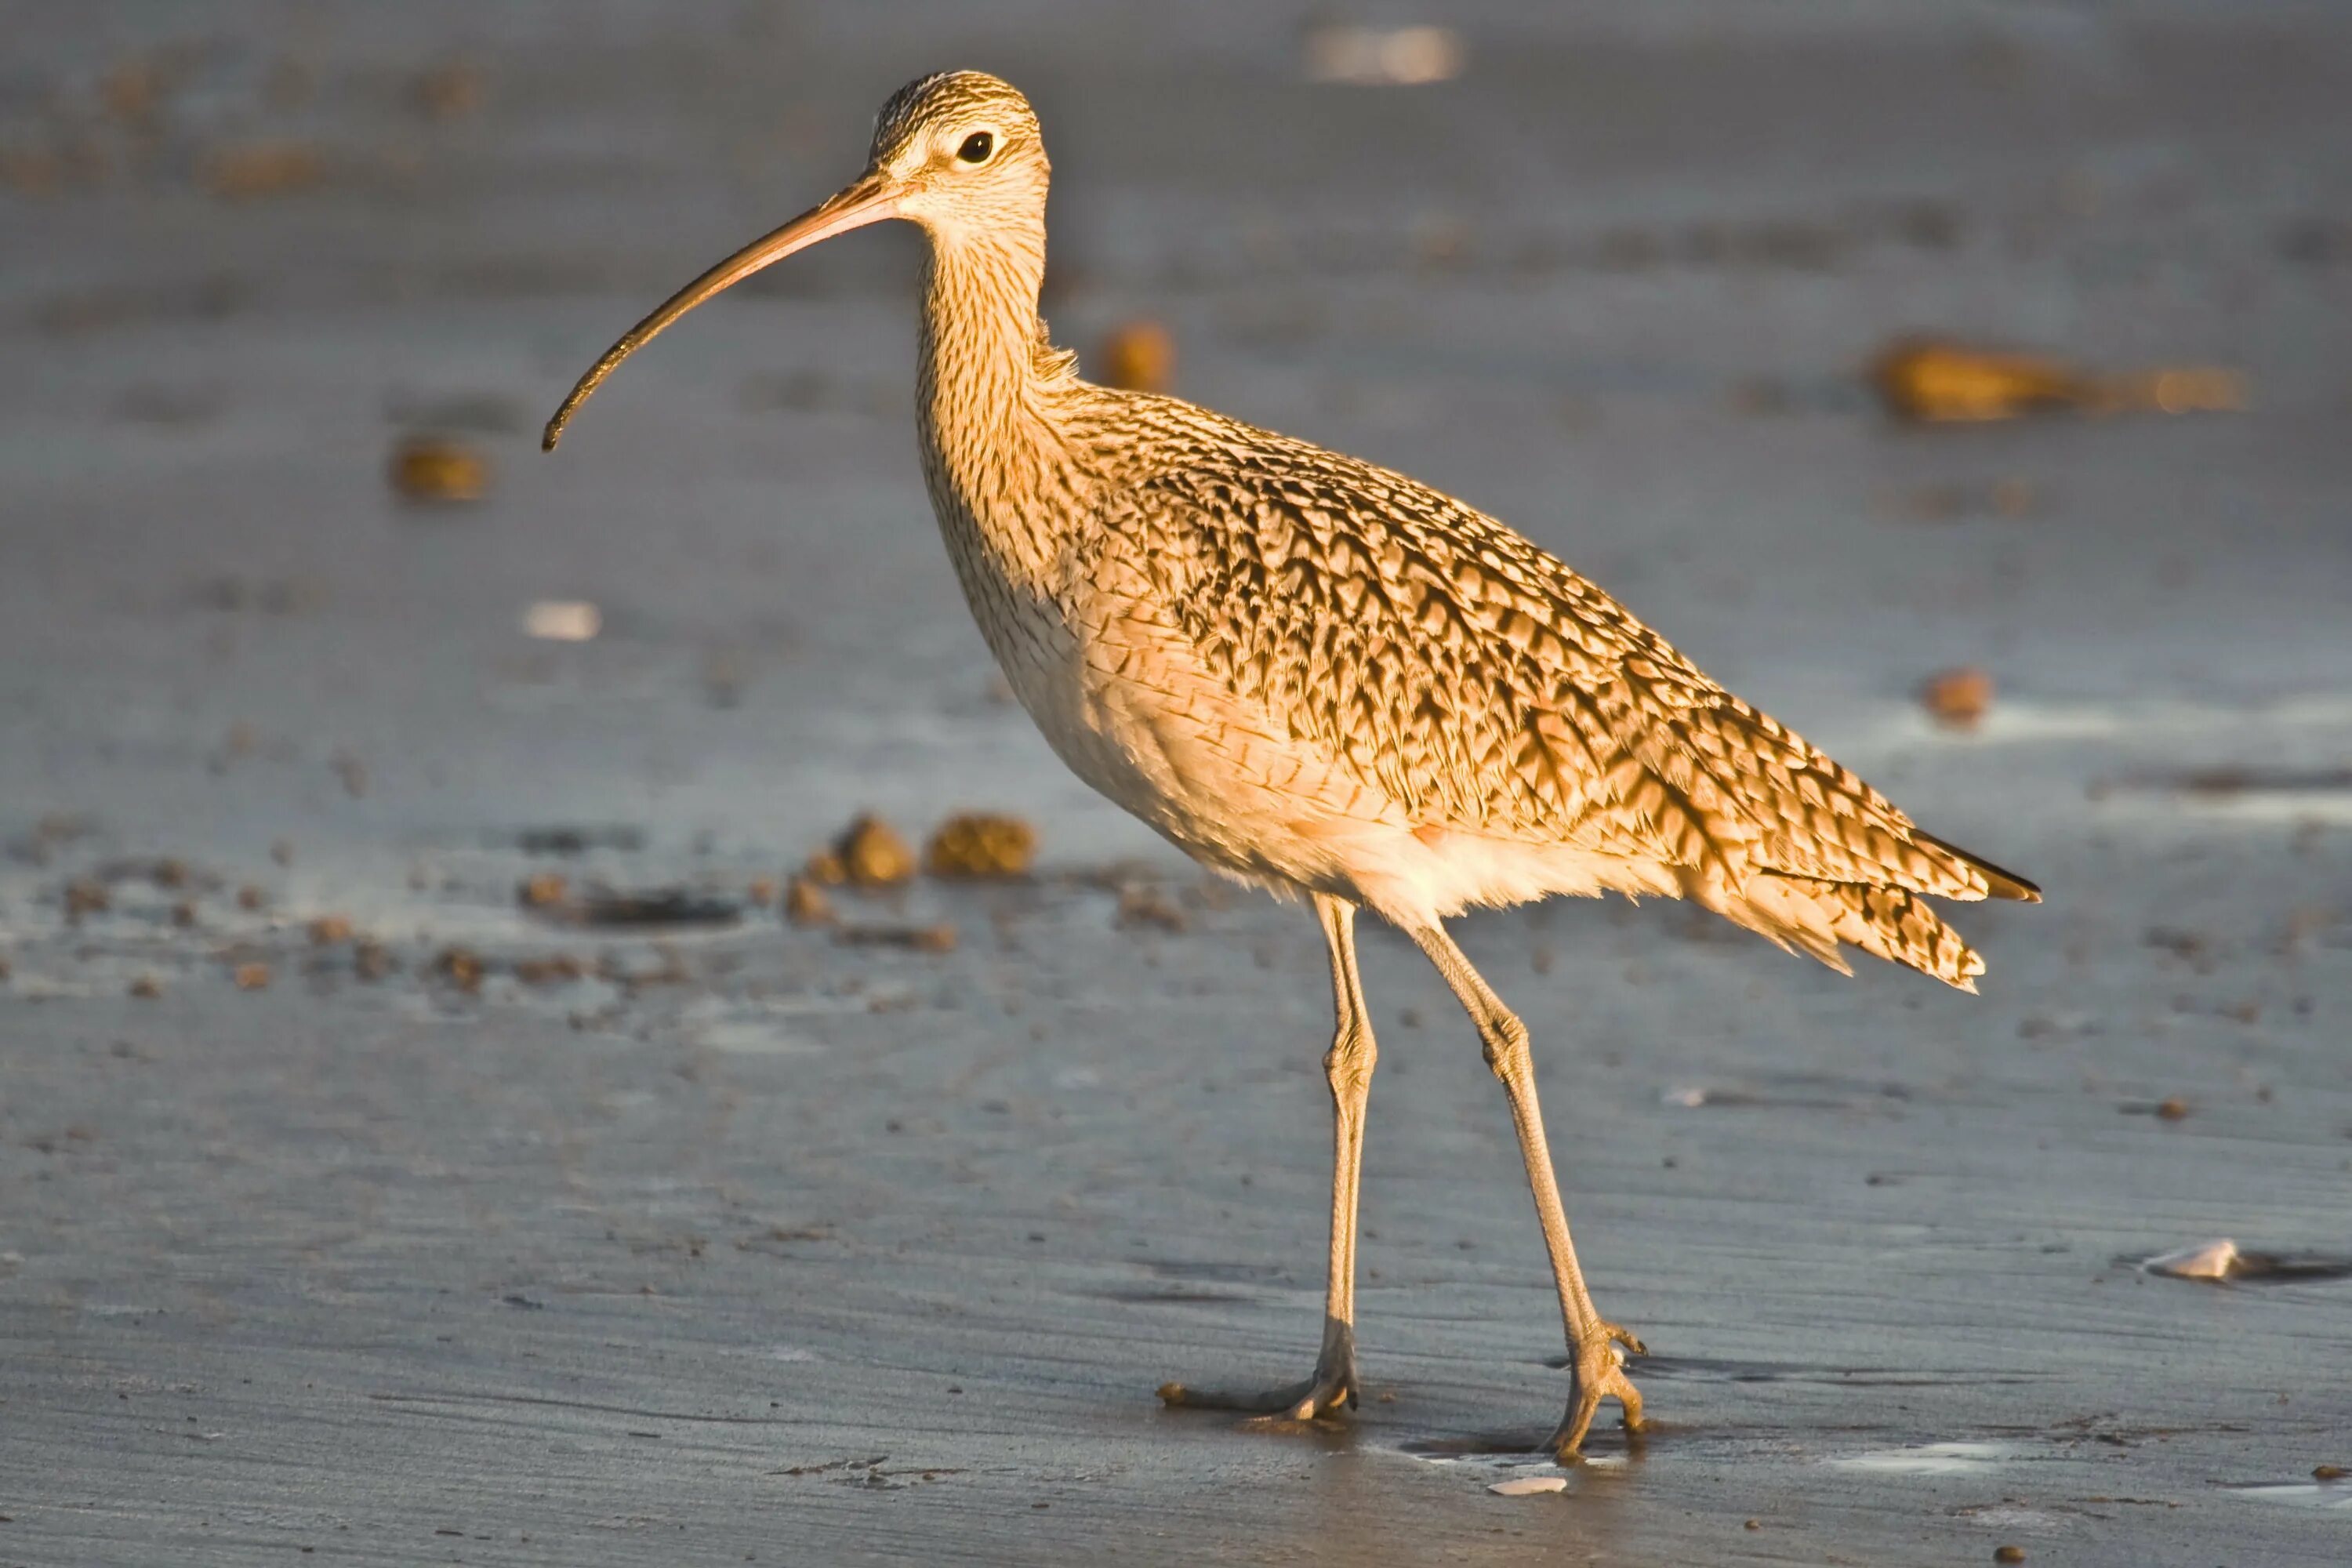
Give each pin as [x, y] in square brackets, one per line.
[1479, 686]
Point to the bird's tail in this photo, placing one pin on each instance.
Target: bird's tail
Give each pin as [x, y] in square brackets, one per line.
[1806, 915]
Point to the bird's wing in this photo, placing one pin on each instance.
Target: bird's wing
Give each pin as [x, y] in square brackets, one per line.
[1482, 685]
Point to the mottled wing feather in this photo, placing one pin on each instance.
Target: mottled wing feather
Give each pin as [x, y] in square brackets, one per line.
[1483, 684]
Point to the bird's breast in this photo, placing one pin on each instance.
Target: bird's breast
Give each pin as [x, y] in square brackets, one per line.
[1038, 637]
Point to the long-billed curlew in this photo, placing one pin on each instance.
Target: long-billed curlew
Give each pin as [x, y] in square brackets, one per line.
[1316, 676]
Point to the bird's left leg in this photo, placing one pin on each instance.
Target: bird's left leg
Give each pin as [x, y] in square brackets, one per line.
[1596, 1347]
[1349, 1068]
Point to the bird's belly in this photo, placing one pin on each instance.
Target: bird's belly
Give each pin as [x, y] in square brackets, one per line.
[1043, 661]
[1136, 717]
[1166, 743]
[1218, 776]
[1243, 796]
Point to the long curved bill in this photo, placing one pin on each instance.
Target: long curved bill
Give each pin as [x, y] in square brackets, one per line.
[870, 199]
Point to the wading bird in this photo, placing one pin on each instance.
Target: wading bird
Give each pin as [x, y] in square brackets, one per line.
[1319, 676]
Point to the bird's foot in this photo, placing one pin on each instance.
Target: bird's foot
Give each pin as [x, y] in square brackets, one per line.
[1333, 1385]
[1597, 1366]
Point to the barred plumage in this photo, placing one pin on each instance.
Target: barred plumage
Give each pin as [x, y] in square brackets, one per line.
[1320, 676]
[1475, 684]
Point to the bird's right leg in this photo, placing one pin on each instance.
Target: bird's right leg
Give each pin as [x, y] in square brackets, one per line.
[1349, 1068]
[1596, 1347]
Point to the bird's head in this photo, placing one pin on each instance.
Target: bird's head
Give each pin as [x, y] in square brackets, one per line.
[960, 152]
[957, 152]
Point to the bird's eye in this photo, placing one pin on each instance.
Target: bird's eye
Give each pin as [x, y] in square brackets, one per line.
[977, 147]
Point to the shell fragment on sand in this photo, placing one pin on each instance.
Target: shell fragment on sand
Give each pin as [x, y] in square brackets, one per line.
[1383, 56]
[2206, 1260]
[1528, 1486]
[562, 620]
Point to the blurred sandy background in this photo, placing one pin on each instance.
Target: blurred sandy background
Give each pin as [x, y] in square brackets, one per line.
[357, 1206]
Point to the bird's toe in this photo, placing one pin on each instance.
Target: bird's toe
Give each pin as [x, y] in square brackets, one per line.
[1597, 1368]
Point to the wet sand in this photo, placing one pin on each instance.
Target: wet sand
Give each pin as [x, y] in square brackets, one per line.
[747, 1244]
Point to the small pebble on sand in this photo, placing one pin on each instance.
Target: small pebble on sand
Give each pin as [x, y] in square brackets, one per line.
[1933, 382]
[936, 938]
[449, 90]
[2009, 1553]
[1956, 699]
[554, 970]
[1929, 381]
[1139, 357]
[252, 976]
[430, 470]
[872, 854]
[543, 889]
[462, 967]
[254, 170]
[975, 844]
[805, 903]
[1141, 904]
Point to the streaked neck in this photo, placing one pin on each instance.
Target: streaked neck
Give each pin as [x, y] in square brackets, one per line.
[984, 401]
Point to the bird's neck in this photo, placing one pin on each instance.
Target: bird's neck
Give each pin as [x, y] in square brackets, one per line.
[986, 401]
